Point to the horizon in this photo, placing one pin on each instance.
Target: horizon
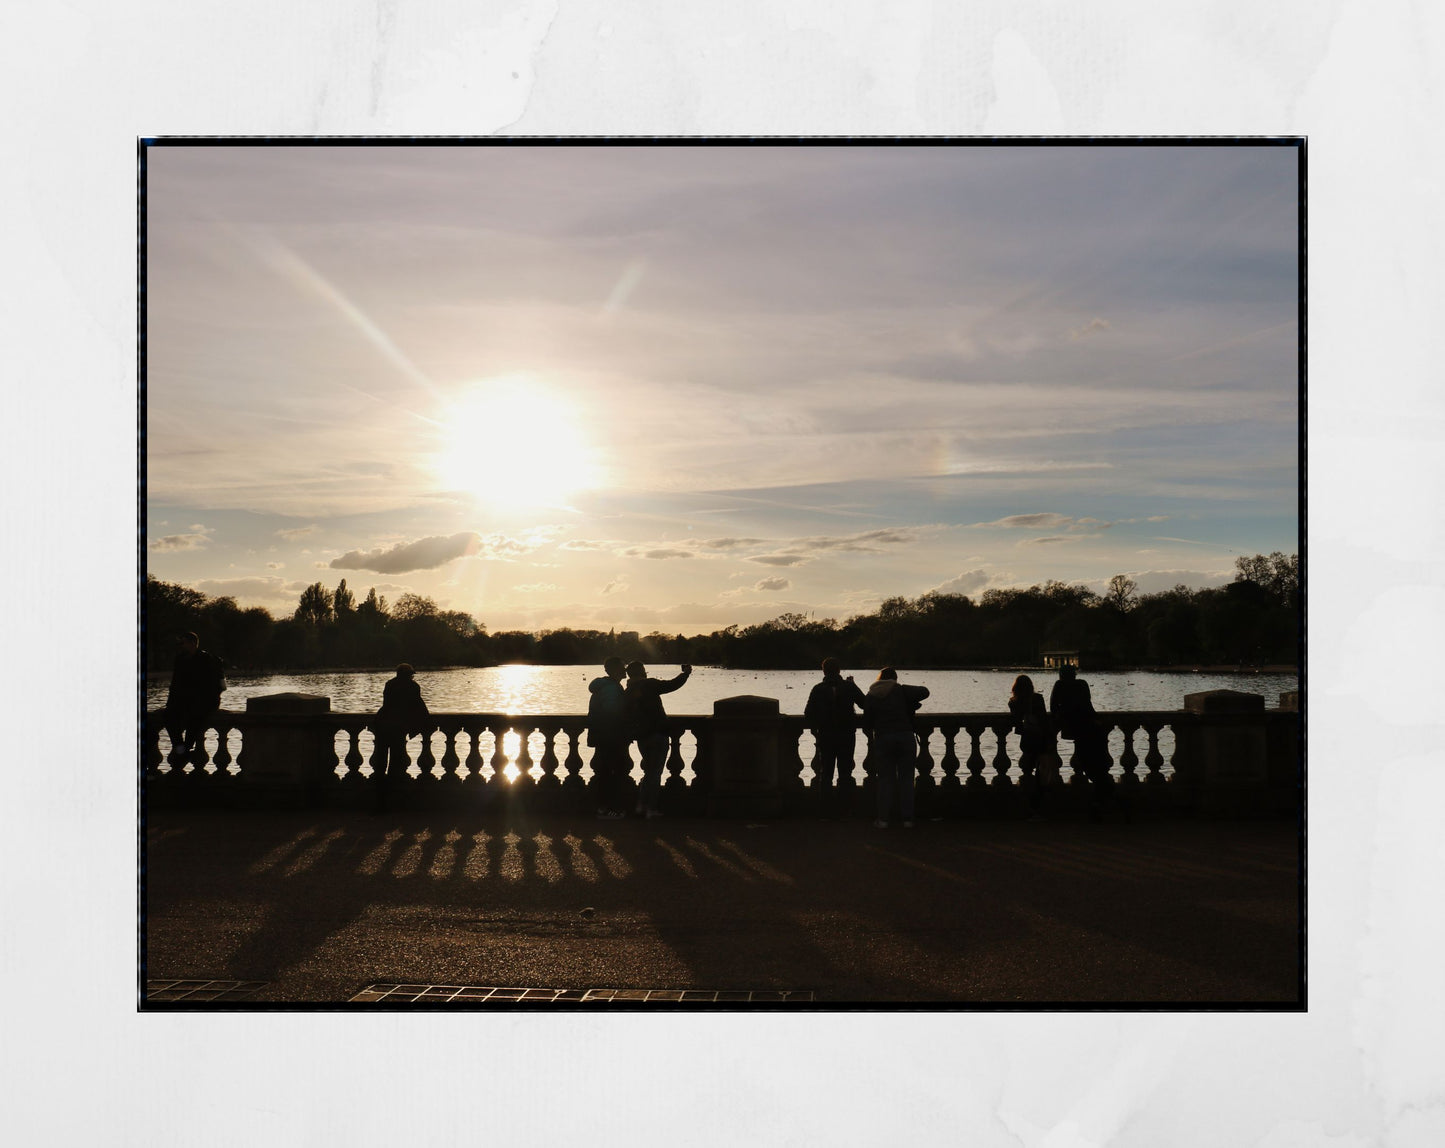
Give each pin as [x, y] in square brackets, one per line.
[760, 380]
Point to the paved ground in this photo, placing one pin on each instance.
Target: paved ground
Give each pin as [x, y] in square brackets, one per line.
[319, 906]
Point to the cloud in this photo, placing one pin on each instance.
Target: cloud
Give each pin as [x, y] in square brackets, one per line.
[779, 559]
[730, 543]
[275, 565]
[437, 550]
[296, 532]
[423, 554]
[1092, 327]
[660, 553]
[616, 586]
[1155, 581]
[535, 587]
[1050, 538]
[969, 582]
[267, 589]
[1043, 521]
[586, 544]
[772, 584]
[179, 542]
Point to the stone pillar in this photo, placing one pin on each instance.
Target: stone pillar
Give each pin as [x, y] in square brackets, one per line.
[1220, 755]
[286, 752]
[745, 733]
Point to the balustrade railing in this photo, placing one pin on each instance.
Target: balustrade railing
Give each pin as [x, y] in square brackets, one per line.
[967, 761]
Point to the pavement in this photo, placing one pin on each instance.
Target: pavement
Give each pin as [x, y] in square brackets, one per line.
[313, 908]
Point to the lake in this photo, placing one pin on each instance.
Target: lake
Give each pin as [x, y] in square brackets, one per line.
[563, 689]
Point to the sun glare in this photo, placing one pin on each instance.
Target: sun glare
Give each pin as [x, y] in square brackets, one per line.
[515, 443]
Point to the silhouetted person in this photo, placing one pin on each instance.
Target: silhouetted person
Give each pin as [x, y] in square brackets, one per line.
[1072, 708]
[609, 737]
[1036, 737]
[198, 679]
[829, 714]
[647, 724]
[402, 713]
[889, 707]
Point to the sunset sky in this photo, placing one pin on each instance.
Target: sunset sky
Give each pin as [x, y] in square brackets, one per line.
[681, 387]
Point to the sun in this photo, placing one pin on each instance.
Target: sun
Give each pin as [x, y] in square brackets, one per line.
[515, 443]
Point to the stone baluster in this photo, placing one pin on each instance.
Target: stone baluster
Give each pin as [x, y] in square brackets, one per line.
[450, 758]
[674, 786]
[474, 760]
[925, 789]
[448, 789]
[702, 769]
[426, 760]
[1153, 759]
[975, 762]
[352, 758]
[550, 784]
[574, 788]
[950, 789]
[1128, 759]
[525, 784]
[790, 764]
[499, 782]
[151, 748]
[1001, 762]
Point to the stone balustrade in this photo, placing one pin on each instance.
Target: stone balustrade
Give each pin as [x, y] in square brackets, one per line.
[1166, 761]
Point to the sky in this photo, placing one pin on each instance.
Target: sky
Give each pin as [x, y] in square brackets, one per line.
[678, 388]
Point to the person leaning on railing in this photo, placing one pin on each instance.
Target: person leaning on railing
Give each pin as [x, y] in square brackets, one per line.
[198, 680]
[403, 713]
[1037, 754]
[829, 714]
[888, 708]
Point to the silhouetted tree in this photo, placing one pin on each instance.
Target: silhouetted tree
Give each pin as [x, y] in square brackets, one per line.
[315, 605]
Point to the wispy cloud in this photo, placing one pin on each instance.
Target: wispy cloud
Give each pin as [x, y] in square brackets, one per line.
[294, 532]
[660, 553]
[178, 542]
[772, 584]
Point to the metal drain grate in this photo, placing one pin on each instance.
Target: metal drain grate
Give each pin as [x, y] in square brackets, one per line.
[202, 990]
[473, 994]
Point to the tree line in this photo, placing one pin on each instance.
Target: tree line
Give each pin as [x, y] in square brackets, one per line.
[1254, 620]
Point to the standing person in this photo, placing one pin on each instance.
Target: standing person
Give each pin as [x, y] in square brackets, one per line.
[403, 712]
[198, 680]
[647, 723]
[1036, 738]
[1072, 708]
[829, 714]
[607, 734]
[889, 708]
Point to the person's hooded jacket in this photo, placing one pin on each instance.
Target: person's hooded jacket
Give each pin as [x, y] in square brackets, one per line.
[606, 712]
[890, 705]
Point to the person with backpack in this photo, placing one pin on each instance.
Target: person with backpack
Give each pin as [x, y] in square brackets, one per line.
[889, 707]
[1037, 752]
[608, 735]
[830, 718]
[647, 725]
